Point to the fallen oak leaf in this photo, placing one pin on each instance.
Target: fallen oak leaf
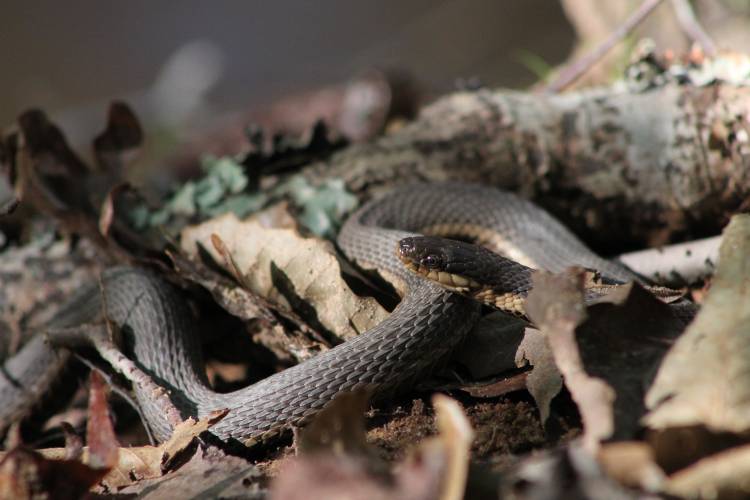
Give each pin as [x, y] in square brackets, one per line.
[209, 473]
[270, 258]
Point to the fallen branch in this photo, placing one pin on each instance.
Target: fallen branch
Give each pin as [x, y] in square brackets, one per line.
[677, 264]
[618, 167]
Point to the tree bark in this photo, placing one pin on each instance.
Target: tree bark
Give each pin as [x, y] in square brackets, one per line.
[618, 166]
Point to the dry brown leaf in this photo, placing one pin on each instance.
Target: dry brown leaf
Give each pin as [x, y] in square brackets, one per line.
[705, 378]
[184, 434]
[545, 381]
[137, 463]
[632, 464]
[100, 434]
[287, 268]
[724, 475]
[26, 474]
[556, 306]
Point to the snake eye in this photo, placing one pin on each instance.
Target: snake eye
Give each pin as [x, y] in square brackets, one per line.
[431, 261]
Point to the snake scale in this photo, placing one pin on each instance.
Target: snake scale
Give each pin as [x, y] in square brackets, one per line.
[406, 347]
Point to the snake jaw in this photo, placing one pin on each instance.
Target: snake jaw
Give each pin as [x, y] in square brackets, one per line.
[453, 282]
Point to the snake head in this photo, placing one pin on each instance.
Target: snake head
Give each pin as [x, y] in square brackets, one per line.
[441, 260]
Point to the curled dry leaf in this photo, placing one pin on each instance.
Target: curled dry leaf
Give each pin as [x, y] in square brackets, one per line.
[285, 267]
[704, 378]
[120, 141]
[184, 434]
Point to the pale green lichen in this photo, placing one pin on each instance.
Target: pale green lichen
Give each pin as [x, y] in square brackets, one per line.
[223, 188]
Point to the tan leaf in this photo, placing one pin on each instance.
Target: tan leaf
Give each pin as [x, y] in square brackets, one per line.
[456, 436]
[724, 475]
[632, 464]
[545, 381]
[556, 306]
[284, 266]
[705, 377]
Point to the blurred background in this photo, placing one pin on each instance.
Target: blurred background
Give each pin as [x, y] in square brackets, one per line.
[195, 66]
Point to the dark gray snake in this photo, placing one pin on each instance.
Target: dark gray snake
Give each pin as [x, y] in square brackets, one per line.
[417, 337]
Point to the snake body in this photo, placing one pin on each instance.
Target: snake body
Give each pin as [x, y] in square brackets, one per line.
[418, 336]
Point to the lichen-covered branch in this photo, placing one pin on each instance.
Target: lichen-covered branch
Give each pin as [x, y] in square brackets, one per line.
[615, 164]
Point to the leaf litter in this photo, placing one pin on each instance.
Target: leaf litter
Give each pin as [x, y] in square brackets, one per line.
[607, 354]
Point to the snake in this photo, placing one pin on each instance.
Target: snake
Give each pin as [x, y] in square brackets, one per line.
[159, 333]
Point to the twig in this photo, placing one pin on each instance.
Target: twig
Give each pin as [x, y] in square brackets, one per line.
[98, 335]
[120, 392]
[111, 354]
[575, 70]
[692, 28]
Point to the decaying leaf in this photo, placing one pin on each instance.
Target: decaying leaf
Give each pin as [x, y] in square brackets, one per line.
[705, 378]
[143, 462]
[26, 474]
[287, 268]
